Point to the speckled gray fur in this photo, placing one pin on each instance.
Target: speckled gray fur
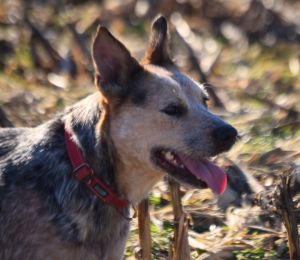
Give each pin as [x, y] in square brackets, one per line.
[44, 212]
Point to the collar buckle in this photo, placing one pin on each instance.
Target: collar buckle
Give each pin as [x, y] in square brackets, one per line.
[83, 172]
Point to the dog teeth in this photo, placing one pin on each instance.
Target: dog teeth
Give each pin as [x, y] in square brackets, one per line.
[173, 161]
[169, 156]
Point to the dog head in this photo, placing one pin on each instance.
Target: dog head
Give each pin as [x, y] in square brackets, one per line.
[158, 119]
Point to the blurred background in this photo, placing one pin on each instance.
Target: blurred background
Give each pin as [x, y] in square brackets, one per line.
[248, 53]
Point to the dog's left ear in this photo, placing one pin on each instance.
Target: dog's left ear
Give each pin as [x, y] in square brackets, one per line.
[114, 65]
[157, 50]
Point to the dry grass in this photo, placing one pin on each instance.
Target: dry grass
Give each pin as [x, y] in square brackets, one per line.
[256, 76]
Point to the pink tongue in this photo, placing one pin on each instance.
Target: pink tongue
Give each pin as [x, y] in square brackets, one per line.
[212, 175]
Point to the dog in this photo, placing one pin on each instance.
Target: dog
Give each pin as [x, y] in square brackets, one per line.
[66, 186]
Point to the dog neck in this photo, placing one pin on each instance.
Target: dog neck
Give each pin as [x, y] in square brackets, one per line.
[90, 122]
[85, 119]
[134, 180]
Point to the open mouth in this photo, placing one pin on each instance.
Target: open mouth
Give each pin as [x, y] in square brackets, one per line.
[198, 172]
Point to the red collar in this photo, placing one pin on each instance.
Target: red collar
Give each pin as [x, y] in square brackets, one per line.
[83, 172]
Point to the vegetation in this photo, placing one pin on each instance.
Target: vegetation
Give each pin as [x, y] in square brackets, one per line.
[249, 53]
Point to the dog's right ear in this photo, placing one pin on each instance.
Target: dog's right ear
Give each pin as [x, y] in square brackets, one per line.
[157, 51]
[114, 65]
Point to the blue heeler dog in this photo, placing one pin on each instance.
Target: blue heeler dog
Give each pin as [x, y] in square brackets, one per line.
[146, 120]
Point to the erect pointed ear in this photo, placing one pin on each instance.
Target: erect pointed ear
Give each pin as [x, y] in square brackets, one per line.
[157, 51]
[114, 65]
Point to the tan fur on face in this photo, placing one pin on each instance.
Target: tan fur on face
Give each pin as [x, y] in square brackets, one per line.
[137, 127]
[135, 130]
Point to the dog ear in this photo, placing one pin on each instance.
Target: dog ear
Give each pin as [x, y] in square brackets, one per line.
[113, 63]
[157, 51]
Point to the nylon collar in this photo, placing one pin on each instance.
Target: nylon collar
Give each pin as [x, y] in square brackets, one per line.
[83, 173]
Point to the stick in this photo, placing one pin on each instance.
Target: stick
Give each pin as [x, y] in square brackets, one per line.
[216, 101]
[279, 201]
[181, 249]
[290, 111]
[53, 54]
[144, 229]
[288, 215]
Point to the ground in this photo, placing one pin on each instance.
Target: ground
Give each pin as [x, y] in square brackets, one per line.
[45, 66]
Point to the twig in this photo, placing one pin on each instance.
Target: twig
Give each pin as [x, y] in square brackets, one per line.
[181, 249]
[195, 64]
[192, 57]
[83, 61]
[144, 229]
[214, 63]
[280, 201]
[290, 111]
[288, 216]
[216, 101]
[80, 41]
[292, 125]
[264, 229]
[53, 54]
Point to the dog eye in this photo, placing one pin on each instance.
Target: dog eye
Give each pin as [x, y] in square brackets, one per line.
[174, 110]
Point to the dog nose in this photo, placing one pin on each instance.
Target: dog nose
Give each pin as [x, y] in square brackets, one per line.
[225, 136]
